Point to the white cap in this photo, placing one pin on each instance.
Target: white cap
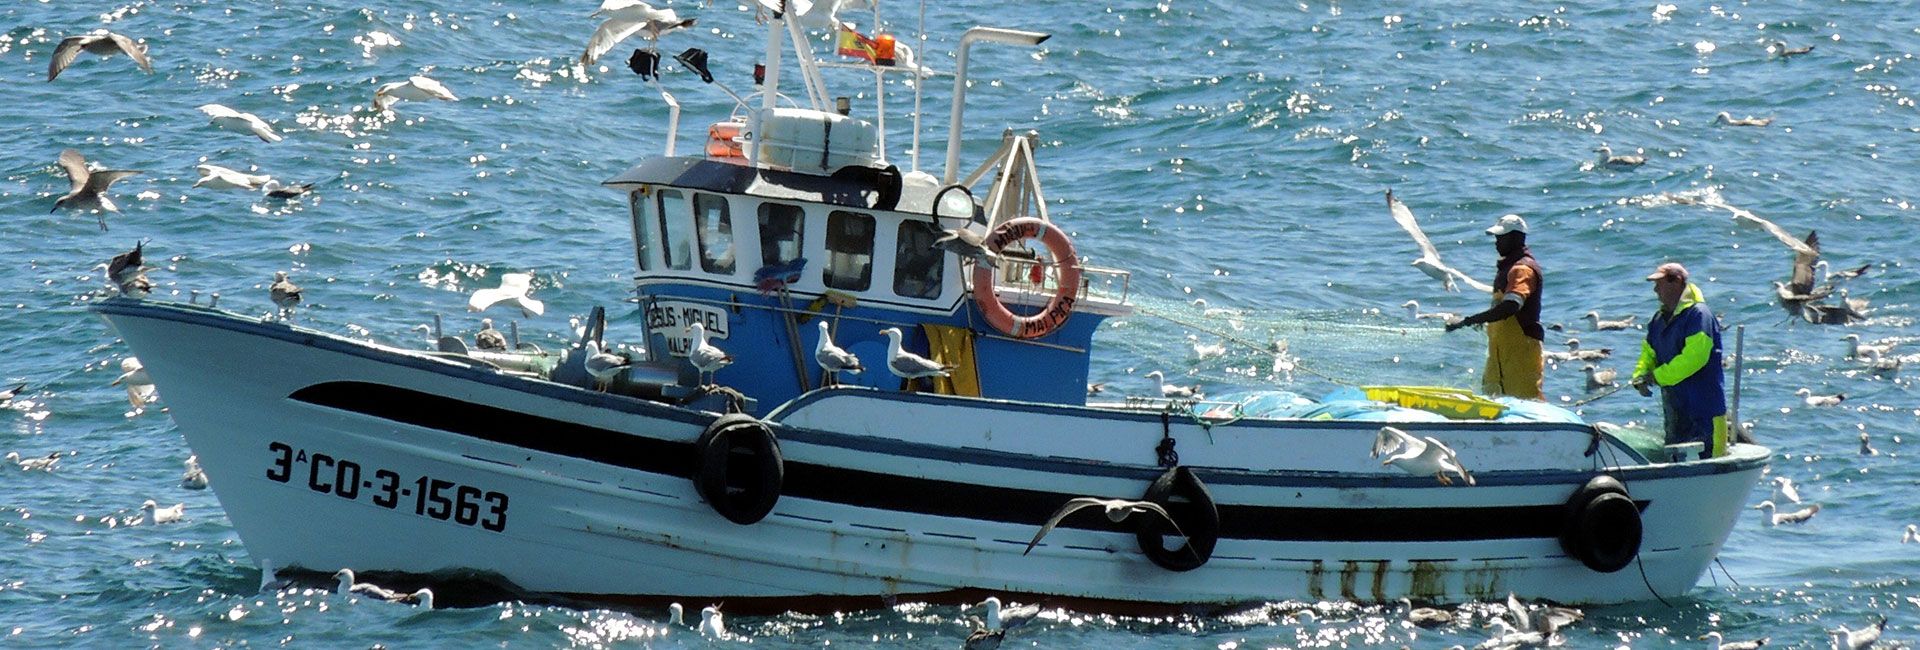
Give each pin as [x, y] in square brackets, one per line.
[1507, 224]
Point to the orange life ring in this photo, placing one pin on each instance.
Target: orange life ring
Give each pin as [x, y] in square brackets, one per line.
[1058, 309]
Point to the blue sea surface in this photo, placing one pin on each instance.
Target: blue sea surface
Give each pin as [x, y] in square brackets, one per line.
[1236, 152]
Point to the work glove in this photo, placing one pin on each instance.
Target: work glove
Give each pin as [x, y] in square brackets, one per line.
[1641, 384]
[1461, 323]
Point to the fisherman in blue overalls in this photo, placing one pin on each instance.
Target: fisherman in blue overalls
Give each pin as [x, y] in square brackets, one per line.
[1682, 355]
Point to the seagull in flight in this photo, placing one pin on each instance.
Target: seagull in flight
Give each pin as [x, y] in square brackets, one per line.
[968, 245]
[238, 122]
[1429, 260]
[221, 178]
[128, 272]
[99, 42]
[513, 290]
[416, 88]
[1117, 511]
[625, 18]
[1419, 456]
[89, 186]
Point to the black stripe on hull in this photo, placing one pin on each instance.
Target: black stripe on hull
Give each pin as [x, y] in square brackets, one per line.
[899, 493]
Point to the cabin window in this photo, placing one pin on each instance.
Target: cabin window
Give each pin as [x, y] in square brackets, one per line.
[780, 233]
[715, 230]
[676, 223]
[849, 251]
[642, 239]
[917, 265]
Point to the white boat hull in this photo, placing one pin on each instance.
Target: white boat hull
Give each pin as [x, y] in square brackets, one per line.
[326, 453]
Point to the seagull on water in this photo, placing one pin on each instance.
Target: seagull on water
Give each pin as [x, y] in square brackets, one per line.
[1912, 534]
[832, 359]
[1813, 400]
[488, 338]
[1861, 639]
[6, 396]
[513, 290]
[603, 366]
[1007, 618]
[1506, 636]
[1866, 445]
[158, 515]
[128, 272]
[705, 356]
[1096, 388]
[1204, 351]
[1607, 159]
[1593, 317]
[626, 18]
[1725, 119]
[1776, 518]
[1427, 617]
[676, 615]
[1856, 349]
[275, 190]
[711, 623]
[89, 186]
[968, 245]
[37, 464]
[1720, 643]
[133, 376]
[1419, 456]
[215, 177]
[238, 122]
[416, 88]
[1779, 49]
[1117, 511]
[1547, 623]
[285, 294]
[101, 43]
[194, 478]
[1784, 489]
[907, 365]
[1414, 313]
[1575, 353]
[347, 586]
[1429, 260]
[1175, 391]
[1599, 378]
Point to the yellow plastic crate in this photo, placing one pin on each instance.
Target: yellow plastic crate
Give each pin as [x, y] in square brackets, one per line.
[1453, 403]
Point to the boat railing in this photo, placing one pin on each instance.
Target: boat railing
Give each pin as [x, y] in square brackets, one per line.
[1017, 272]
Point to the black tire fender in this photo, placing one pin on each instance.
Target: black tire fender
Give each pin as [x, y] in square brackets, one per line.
[1191, 505]
[738, 468]
[1602, 528]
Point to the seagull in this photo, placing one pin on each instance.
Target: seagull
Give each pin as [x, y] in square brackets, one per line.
[416, 88]
[1859, 639]
[1813, 400]
[1419, 456]
[513, 290]
[1796, 517]
[1719, 644]
[832, 359]
[6, 396]
[968, 245]
[158, 515]
[1607, 159]
[488, 338]
[1598, 378]
[1427, 617]
[99, 42]
[1856, 349]
[1799, 287]
[39, 464]
[1866, 445]
[1548, 623]
[216, 177]
[89, 187]
[705, 357]
[1093, 388]
[1575, 353]
[676, 615]
[194, 478]
[284, 294]
[1783, 489]
[238, 122]
[1820, 313]
[1912, 534]
[1007, 618]
[1728, 120]
[1414, 313]
[1117, 511]
[348, 587]
[604, 366]
[711, 624]
[422, 597]
[1602, 325]
[1506, 636]
[907, 365]
[1204, 351]
[1781, 50]
[626, 18]
[275, 190]
[133, 376]
[1175, 391]
[128, 272]
[1830, 277]
[1429, 260]
[982, 637]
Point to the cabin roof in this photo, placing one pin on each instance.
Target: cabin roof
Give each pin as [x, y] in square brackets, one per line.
[854, 191]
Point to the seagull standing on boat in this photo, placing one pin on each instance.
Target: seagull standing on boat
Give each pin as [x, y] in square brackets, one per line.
[1117, 511]
[1774, 517]
[101, 43]
[285, 294]
[195, 478]
[88, 188]
[133, 377]
[513, 290]
[416, 88]
[968, 245]
[832, 359]
[1725, 119]
[1175, 391]
[626, 18]
[1429, 259]
[907, 365]
[128, 272]
[1607, 159]
[157, 515]
[215, 177]
[488, 338]
[705, 357]
[1419, 456]
[603, 366]
[238, 122]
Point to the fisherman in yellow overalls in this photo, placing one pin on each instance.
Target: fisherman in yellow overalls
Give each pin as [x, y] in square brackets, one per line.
[1515, 364]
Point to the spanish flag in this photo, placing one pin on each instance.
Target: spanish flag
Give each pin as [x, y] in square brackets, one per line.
[857, 46]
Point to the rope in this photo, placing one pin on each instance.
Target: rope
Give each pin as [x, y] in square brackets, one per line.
[1609, 391]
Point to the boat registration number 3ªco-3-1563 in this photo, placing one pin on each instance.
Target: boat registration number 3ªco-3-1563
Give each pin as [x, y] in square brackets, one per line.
[674, 320]
[428, 497]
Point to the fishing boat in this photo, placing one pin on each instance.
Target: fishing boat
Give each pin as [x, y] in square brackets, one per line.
[717, 459]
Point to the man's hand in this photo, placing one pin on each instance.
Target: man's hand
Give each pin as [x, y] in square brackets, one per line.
[1641, 384]
[1460, 322]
